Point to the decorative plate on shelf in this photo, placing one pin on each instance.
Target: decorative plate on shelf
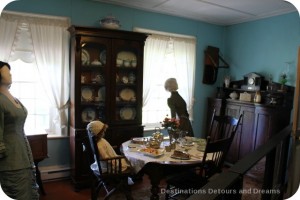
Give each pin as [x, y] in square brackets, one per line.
[85, 57]
[101, 94]
[127, 113]
[126, 55]
[87, 93]
[103, 57]
[127, 94]
[88, 115]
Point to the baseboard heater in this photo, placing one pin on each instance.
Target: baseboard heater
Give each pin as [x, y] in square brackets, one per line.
[49, 173]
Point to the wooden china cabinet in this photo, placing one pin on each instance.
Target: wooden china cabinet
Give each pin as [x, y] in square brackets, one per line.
[106, 85]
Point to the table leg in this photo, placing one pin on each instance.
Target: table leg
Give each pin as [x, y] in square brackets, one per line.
[38, 178]
[155, 173]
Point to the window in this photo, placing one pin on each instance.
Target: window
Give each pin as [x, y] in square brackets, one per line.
[166, 57]
[37, 48]
[28, 89]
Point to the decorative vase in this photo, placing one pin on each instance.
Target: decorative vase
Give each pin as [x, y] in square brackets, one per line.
[233, 95]
[282, 87]
[257, 97]
[173, 135]
[227, 81]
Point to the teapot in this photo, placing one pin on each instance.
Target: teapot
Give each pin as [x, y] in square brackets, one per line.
[156, 139]
[158, 135]
[233, 95]
[153, 143]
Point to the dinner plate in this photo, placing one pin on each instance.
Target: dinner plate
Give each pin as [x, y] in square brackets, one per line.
[201, 147]
[188, 144]
[103, 57]
[180, 158]
[152, 152]
[88, 115]
[127, 113]
[87, 93]
[101, 94]
[85, 57]
[134, 145]
[127, 94]
[138, 140]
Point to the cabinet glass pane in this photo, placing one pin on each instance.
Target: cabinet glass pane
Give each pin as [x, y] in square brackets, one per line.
[126, 85]
[93, 81]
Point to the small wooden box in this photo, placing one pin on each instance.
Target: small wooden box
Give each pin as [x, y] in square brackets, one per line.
[245, 96]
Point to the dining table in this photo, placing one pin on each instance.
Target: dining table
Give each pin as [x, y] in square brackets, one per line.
[163, 163]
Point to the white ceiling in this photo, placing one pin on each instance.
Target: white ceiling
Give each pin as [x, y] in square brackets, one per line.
[221, 12]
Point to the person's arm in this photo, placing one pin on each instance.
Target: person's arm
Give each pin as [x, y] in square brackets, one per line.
[172, 108]
[105, 149]
[2, 145]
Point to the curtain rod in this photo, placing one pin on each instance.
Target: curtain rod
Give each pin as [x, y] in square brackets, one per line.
[137, 29]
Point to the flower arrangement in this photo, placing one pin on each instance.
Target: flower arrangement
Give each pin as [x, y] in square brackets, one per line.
[170, 123]
[283, 78]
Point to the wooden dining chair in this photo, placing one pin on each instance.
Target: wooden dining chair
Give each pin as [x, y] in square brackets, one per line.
[222, 126]
[112, 178]
[212, 163]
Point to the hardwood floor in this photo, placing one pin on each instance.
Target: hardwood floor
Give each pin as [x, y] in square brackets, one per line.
[63, 190]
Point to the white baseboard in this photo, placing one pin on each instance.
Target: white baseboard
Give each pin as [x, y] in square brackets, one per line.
[55, 172]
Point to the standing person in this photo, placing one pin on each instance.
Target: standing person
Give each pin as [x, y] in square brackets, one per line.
[178, 106]
[17, 169]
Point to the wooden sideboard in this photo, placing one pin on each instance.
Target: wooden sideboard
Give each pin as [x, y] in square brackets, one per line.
[39, 148]
[259, 123]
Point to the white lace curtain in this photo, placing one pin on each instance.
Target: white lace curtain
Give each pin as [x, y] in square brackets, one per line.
[8, 28]
[51, 49]
[156, 48]
[50, 40]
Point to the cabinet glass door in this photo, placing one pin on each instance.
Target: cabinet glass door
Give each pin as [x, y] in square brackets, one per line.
[93, 80]
[127, 73]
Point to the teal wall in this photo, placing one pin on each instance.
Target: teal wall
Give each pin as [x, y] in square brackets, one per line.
[264, 46]
[261, 46]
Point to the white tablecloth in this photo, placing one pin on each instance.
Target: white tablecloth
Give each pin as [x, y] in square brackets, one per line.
[138, 159]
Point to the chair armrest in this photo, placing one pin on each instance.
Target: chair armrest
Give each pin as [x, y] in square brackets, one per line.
[114, 164]
[113, 158]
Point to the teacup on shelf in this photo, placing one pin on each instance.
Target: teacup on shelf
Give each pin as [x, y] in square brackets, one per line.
[126, 63]
[97, 99]
[133, 63]
[119, 62]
